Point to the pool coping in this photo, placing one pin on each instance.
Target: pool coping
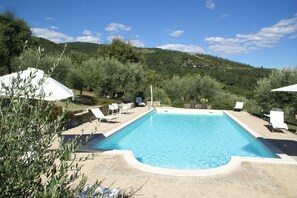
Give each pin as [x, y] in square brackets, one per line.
[232, 165]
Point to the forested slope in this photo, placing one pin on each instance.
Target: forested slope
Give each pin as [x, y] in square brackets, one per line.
[236, 77]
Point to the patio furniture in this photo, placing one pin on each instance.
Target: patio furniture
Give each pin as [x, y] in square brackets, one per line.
[238, 106]
[113, 107]
[277, 120]
[124, 108]
[139, 102]
[100, 116]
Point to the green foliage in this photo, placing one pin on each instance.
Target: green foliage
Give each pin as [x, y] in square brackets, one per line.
[14, 32]
[267, 99]
[193, 87]
[49, 46]
[89, 49]
[28, 167]
[235, 77]
[227, 101]
[121, 51]
[112, 78]
[159, 94]
[30, 58]
[153, 78]
[78, 57]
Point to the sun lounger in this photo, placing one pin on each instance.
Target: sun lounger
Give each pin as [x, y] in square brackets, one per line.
[139, 102]
[277, 120]
[238, 106]
[100, 116]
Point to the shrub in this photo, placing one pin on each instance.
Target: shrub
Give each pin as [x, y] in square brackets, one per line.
[28, 167]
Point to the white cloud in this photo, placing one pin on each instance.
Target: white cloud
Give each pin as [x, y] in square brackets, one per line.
[137, 43]
[116, 27]
[210, 4]
[87, 32]
[54, 27]
[49, 19]
[266, 37]
[51, 35]
[88, 39]
[177, 33]
[59, 37]
[194, 49]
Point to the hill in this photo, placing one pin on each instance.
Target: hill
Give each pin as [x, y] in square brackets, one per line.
[82, 47]
[236, 77]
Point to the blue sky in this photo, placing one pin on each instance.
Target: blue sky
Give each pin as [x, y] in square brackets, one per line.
[256, 32]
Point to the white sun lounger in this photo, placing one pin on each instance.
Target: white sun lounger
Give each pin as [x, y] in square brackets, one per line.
[277, 120]
[238, 106]
[100, 116]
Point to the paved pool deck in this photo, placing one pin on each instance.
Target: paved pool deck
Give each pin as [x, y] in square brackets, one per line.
[250, 179]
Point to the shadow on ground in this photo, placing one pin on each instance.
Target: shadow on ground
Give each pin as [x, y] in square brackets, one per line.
[287, 146]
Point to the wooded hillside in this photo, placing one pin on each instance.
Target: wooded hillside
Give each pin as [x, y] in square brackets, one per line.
[237, 78]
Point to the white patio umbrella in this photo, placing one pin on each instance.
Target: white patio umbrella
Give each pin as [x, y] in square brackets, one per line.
[53, 90]
[290, 88]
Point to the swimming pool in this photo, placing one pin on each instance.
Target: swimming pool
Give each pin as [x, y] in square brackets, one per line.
[185, 141]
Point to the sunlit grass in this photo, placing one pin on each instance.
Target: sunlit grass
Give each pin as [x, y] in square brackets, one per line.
[87, 100]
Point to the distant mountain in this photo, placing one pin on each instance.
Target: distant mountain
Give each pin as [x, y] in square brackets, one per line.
[87, 48]
[238, 78]
[49, 46]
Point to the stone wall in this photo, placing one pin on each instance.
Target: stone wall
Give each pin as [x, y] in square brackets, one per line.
[83, 117]
[155, 103]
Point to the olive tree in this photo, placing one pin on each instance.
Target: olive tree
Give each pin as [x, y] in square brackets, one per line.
[28, 165]
[113, 78]
[267, 99]
[44, 61]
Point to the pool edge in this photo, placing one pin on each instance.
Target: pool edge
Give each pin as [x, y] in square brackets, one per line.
[231, 166]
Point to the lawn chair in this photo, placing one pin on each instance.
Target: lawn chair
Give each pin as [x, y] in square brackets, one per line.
[238, 106]
[277, 120]
[139, 102]
[100, 116]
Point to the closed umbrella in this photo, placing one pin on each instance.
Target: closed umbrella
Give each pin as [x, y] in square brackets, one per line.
[42, 83]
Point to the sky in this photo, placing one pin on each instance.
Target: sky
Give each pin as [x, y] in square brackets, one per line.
[262, 33]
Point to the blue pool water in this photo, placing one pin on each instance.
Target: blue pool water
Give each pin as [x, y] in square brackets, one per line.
[185, 141]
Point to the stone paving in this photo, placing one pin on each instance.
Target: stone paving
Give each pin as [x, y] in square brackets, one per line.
[251, 179]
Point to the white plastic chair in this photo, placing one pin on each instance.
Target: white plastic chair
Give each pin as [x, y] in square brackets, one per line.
[113, 107]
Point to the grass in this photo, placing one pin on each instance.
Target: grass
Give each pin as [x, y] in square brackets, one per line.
[87, 100]
[292, 128]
